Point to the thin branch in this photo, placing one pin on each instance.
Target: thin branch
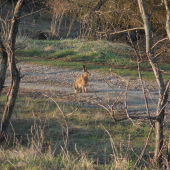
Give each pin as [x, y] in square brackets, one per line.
[111, 87]
[137, 28]
[159, 53]
[66, 124]
[143, 117]
[30, 14]
[72, 112]
[114, 149]
[118, 75]
[98, 97]
[144, 149]
[165, 96]
[161, 150]
[158, 43]
[126, 104]
[131, 148]
[150, 96]
[140, 75]
[4, 4]
[104, 107]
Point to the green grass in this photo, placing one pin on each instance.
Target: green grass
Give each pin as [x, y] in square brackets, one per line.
[85, 130]
[38, 120]
[96, 55]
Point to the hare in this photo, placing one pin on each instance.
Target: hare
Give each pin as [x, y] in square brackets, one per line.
[81, 81]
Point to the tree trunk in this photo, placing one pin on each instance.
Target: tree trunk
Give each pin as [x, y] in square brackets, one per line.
[11, 98]
[60, 17]
[3, 66]
[54, 23]
[167, 7]
[15, 75]
[163, 91]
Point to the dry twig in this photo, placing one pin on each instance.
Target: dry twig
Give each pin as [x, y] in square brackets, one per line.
[144, 149]
[66, 129]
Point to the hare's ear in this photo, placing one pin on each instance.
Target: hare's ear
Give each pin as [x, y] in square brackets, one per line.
[84, 68]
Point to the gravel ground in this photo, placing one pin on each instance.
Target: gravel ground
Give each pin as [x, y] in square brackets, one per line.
[104, 88]
[62, 76]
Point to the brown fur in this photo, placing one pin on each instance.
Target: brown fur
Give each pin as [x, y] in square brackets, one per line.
[81, 81]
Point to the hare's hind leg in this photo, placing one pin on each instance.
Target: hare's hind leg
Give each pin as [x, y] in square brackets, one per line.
[83, 89]
[76, 91]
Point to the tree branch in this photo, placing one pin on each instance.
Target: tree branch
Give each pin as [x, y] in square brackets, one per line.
[31, 13]
[144, 149]
[118, 32]
[158, 43]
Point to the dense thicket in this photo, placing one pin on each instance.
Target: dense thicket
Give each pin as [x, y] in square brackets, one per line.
[108, 16]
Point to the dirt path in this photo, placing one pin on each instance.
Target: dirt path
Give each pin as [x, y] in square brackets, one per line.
[103, 88]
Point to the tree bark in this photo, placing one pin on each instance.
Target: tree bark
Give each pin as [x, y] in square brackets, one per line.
[15, 75]
[54, 23]
[163, 94]
[167, 7]
[3, 66]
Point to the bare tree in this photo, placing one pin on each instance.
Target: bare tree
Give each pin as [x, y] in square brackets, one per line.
[163, 88]
[10, 40]
[57, 9]
[167, 7]
[9, 29]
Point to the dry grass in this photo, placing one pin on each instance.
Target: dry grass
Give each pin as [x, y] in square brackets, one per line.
[48, 48]
[49, 135]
